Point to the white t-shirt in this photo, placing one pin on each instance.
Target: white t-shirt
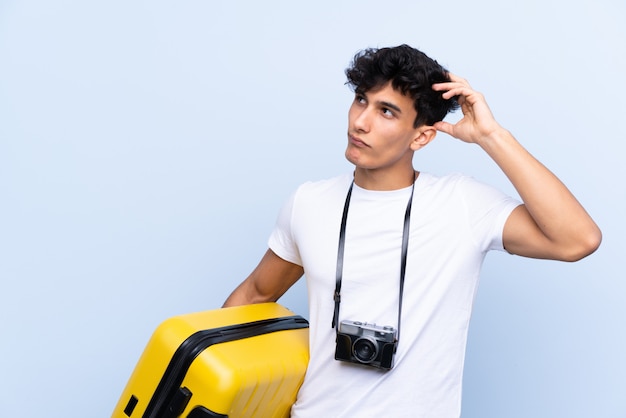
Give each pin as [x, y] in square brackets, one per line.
[455, 220]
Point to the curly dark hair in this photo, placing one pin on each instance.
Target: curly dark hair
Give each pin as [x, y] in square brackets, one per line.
[410, 71]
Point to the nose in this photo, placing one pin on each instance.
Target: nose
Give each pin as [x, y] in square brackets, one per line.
[361, 119]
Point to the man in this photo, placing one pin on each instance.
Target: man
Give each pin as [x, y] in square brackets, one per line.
[401, 97]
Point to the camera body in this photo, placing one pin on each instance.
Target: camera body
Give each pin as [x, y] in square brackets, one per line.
[368, 344]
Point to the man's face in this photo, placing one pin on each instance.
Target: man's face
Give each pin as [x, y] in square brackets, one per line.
[380, 129]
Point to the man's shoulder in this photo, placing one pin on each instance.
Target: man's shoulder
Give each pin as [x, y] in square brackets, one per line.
[338, 183]
[456, 186]
[446, 180]
[321, 195]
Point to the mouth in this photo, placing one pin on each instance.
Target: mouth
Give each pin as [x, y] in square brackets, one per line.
[356, 141]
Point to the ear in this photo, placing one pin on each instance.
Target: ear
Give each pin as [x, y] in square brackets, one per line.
[423, 135]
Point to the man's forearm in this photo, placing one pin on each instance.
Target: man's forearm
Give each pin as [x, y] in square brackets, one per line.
[236, 298]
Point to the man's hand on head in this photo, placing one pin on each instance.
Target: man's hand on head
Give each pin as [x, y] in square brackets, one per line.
[478, 122]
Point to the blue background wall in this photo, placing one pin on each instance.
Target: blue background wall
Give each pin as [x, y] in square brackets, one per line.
[146, 147]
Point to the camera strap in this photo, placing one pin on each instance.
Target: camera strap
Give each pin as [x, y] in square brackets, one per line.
[341, 247]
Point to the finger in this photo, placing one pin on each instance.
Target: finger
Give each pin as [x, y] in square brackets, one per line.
[450, 86]
[457, 90]
[454, 83]
[457, 79]
[444, 127]
[444, 86]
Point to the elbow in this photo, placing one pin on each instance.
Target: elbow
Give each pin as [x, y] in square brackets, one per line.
[586, 245]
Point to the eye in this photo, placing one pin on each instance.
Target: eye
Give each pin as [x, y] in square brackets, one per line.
[387, 112]
[360, 99]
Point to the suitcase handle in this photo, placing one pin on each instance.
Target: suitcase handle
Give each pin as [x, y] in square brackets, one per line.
[164, 402]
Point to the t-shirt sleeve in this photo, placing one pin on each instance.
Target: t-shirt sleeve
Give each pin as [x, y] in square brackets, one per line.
[488, 210]
[281, 240]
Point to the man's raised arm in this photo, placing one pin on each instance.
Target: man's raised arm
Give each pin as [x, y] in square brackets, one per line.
[551, 223]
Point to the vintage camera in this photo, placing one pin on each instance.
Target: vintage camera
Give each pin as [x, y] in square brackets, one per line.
[368, 344]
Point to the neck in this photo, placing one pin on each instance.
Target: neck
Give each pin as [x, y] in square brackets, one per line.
[375, 180]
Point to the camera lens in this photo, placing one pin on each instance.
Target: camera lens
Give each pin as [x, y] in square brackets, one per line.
[364, 350]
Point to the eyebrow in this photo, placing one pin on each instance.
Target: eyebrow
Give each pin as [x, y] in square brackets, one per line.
[381, 103]
[390, 105]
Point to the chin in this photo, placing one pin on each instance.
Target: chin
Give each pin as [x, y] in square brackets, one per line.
[352, 155]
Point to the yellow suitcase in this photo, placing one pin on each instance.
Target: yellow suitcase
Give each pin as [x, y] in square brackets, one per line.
[244, 361]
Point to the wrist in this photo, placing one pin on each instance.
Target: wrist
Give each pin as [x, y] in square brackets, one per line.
[495, 138]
